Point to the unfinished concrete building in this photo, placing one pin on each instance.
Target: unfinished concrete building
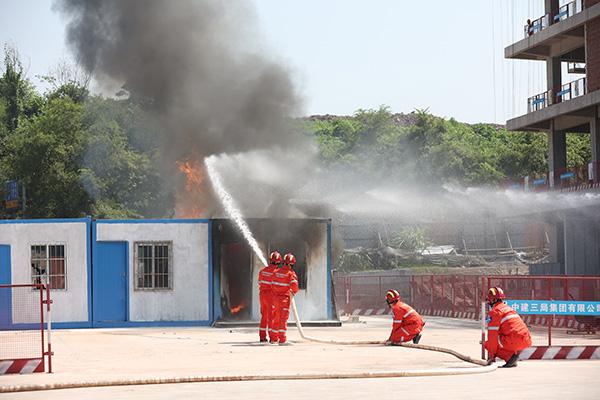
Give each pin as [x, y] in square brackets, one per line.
[567, 39]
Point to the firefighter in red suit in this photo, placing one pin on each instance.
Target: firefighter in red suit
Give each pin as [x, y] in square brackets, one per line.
[407, 325]
[283, 286]
[265, 278]
[507, 333]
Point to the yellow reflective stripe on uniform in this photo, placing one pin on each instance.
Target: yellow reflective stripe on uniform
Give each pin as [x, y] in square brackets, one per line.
[404, 330]
[499, 342]
[265, 282]
[280, 284]
[408, 313]
[267, 273]
[294, 282]
[397, 321]
[493, 328]
[509, 316]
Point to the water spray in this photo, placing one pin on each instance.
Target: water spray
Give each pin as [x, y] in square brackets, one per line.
[231, 208]
[234, 212]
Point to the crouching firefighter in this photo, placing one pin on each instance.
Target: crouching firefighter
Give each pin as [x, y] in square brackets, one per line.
[507, 333]
[265, 278]
[407, 325]
[284, 285]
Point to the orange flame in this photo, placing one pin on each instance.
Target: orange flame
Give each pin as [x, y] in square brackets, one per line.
[188, 202]
[236, 309]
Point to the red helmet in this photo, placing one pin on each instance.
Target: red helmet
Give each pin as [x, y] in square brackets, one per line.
[289, 259]
[495, 294]
[392, 296]
[275, 258]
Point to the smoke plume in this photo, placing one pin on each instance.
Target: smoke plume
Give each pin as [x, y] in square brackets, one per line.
[199, 66]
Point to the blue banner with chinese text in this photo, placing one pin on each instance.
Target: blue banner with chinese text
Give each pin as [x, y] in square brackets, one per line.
[551, 307]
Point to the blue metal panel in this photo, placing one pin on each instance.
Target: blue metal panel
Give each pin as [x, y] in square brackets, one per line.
[210, 274]
[110, 282]
[329, 302]
[44, 221]
[5, 294]
[90, 243]
[153, 221]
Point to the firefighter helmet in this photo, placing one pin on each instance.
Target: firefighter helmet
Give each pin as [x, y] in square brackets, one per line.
[495, 294]
[289, 259]
[275, 258]
[392, 296]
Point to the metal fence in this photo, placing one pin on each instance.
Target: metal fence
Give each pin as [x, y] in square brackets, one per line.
[457, 296]
[364, 294]
[22, 328]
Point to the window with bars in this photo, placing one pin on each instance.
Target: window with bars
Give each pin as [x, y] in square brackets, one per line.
[154, 265]
[49, 261]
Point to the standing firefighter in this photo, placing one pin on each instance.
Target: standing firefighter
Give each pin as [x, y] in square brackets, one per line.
[265, 279]
[408, 324]
[284, 285]
[507, 333]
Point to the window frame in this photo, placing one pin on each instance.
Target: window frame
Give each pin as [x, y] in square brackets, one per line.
[137, 266]
[47, 259]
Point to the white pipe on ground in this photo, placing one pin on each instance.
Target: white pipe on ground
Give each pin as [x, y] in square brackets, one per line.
[380, 342]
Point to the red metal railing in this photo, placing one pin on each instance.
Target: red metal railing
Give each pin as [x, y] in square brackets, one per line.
[563, 179]
[456, 296]
[23, 347]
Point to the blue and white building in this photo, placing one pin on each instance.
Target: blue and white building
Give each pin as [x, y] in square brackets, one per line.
[173, 272]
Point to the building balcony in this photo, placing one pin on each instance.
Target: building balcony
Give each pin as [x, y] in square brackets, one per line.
[564, 12]
[570, 106]
[561, 35]
[566, 92]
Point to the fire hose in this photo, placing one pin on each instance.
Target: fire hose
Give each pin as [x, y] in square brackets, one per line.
[379, 342]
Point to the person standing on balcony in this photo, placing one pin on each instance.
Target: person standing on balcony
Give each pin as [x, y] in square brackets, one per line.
[407, 324]
[265, 279]
[507, 333]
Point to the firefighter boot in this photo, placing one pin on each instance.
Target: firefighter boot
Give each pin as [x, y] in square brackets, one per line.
[512, 361]
[416, 339]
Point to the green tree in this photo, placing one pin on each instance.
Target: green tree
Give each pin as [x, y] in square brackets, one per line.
[45, 154]
[17, 95]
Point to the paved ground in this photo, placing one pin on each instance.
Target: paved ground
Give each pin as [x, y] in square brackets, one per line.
[84, 355]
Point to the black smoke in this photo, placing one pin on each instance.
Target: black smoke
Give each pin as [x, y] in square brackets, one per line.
[198, 64]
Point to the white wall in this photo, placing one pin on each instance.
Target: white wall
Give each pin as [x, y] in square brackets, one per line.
[70, 305]
[312, 301]
[188, 301]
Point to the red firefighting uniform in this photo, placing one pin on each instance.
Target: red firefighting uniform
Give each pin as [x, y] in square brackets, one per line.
[507, 333]
[265, 277]
[407, 323]
[284, 282]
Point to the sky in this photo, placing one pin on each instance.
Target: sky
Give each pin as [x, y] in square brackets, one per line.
[350, 54]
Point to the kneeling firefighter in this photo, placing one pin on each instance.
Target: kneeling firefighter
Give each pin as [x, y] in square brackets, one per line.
[507, 333]
[407, 325]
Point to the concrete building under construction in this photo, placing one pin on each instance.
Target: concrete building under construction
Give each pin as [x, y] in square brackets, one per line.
[567, 39]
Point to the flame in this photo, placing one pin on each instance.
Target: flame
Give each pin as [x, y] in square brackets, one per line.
[189, 201]
[236, 309]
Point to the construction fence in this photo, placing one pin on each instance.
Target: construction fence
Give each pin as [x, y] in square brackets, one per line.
[22, 328]
[460, 296]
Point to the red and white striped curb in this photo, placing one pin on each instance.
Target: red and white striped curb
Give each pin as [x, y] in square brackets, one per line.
[21, 366]
[561, 353]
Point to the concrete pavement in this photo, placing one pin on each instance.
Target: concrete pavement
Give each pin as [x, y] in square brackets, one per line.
[85, 355]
